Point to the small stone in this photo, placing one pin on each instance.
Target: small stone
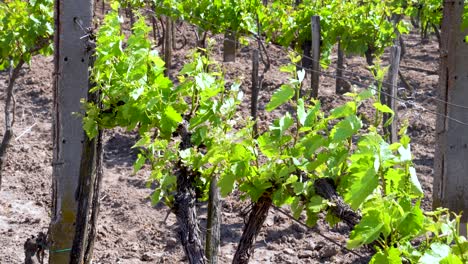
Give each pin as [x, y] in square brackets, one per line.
[269, 222]
[298, 228]
[305, 254]
[319, 245]
[171, 242]
[284, 239]
[147, 257]
[30, 81]
[310, 246]
[289, 251]
[116, 205]
[134, 248]
[328, 251]
[299, 236]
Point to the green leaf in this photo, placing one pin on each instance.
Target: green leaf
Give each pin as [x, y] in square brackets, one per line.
[281, 196]
[388, 256]
[366, 94]
[144, 141]
[172, 114]
[280, 97]
[346, 128]
[364, 181]
[139, 162]
[296, 207]
[367, 230]
[343, 111]
[90, 126]
[301, 113]
[451, 259]
[267, 146]
[385, 109]
[315, 204]
[437, 252]
[413, 219]
[227, 180]
[415, 184]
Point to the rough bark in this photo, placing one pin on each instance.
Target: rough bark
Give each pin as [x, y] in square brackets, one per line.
[326, 189]
[185, 205]
[168, 45]
[213, 224]
[390, 95]
[315, 52]
[451, 154]
[257, 217]
[342, 86]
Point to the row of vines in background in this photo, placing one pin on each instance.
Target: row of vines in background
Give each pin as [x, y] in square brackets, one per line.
[334, 163]
[364, 27]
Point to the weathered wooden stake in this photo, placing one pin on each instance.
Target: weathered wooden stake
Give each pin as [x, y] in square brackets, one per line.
[213, 224]
[390, 94]
[451, 155]
[341, 85]
[168, 45]
[229, 46]
[255, 90]
[315, 70]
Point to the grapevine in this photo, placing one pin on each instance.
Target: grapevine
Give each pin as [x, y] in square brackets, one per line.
[191, 130]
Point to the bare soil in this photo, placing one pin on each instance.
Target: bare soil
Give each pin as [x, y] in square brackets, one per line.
[130, 229]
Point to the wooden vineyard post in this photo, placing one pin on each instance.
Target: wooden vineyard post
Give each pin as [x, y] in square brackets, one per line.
[315, 50]
[168, 45]
[451, 156]
[255, 90]
[340, 82]
[76, 160]
[229, 44]
[389, 94]
[213, 225]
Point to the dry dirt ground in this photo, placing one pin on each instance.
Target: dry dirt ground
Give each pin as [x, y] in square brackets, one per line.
[130, 229]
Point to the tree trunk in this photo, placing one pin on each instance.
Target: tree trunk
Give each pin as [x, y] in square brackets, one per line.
[76, 162]
[257, 217]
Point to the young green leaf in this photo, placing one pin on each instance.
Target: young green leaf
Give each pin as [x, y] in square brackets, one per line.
[280, 97]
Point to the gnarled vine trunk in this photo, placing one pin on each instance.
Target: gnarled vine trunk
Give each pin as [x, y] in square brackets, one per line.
[185, 205]
[257, 217]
